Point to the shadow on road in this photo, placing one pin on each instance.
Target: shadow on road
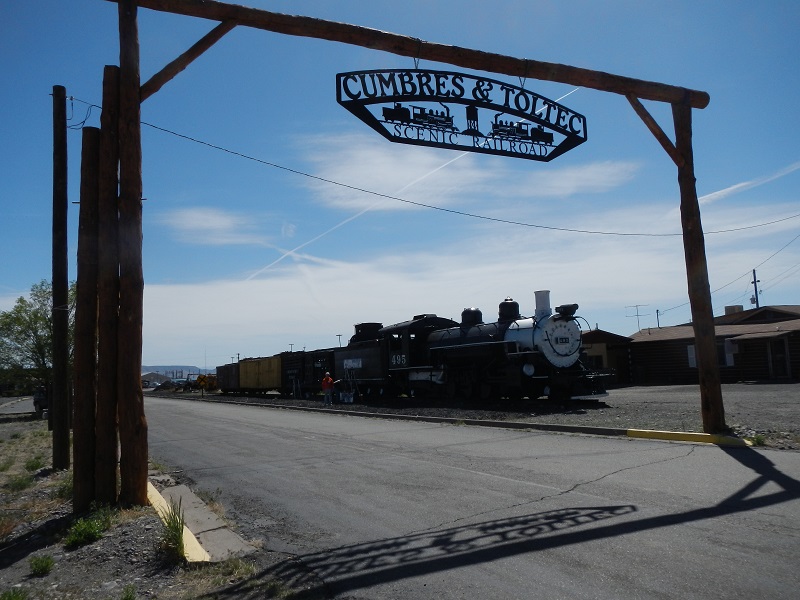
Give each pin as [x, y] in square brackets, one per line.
[359, 566]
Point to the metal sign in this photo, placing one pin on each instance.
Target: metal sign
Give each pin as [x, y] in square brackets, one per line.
[460, 112]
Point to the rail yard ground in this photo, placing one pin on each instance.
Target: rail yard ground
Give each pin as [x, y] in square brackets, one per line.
[125, 562]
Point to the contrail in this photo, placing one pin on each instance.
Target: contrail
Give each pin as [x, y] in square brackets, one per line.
[371, 206]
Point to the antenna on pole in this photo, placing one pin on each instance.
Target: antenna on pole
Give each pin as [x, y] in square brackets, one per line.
[638, 314]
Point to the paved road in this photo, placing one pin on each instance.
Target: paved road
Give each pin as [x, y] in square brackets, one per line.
[387, 509]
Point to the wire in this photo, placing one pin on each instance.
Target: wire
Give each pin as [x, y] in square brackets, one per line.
[747, 274]
[430, 206]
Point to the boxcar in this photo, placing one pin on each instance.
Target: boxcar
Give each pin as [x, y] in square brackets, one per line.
[302, 372]
[228, 378]
[260, 375]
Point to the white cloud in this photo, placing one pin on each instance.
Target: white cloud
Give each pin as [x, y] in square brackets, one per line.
[212, 226]
[440, 178]
[747, 185]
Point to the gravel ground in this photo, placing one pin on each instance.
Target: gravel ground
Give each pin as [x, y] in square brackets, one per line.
[126, 560]
[770, 411]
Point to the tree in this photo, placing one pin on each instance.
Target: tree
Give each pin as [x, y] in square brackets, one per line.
[26, 334]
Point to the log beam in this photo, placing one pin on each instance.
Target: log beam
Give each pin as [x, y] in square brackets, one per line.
[157, 81]
[415, 48]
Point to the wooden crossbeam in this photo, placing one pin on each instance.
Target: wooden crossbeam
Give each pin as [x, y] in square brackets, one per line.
[414, 47]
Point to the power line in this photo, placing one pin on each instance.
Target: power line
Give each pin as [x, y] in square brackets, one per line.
[744, 274]
[430, 206]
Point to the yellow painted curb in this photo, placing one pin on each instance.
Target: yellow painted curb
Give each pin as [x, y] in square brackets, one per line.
[682, 436]
[192, 550]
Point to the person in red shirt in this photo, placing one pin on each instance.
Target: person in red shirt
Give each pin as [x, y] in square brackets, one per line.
[327, 388]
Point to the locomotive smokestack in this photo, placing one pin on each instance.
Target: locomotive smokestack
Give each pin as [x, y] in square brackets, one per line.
[543, 304]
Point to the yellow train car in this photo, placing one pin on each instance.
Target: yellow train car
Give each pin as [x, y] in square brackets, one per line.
[260, 375]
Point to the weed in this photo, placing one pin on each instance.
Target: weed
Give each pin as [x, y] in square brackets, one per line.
[758, 440]
[41, 565]
[17, 483]
[16, 435]
[83, 532]
[14, 594]
[128, 592]
[89, 529]
[34, 464]
[172, 537]
[7, 525]
[6, 463]
[63, 490]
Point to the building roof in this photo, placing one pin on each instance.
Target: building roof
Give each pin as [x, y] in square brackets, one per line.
[599, 336]
[740, 331]
[764, 314]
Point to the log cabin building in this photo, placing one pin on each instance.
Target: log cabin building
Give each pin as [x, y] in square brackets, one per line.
[752, 345]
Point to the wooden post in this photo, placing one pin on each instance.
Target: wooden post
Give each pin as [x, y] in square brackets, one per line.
[108, 294]
[59, 398]
[132, 421]
[85, 358]
[694, 248]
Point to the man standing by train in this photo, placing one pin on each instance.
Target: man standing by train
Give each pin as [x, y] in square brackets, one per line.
[327, 388]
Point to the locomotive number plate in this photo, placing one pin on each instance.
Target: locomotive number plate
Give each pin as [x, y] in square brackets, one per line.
[398, 360]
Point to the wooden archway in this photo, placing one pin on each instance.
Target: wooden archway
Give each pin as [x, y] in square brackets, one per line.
[126, 374]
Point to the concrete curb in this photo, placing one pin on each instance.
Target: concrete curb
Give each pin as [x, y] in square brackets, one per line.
[192, 549]
[679, 436]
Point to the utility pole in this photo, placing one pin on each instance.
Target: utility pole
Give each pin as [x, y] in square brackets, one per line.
[755, 283]
[59, 398]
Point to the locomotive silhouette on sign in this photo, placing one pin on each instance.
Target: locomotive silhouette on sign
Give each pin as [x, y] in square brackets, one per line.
[416, 107]
[520, 130]
[419, 115]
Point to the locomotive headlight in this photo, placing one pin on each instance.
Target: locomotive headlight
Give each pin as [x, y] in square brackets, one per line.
[528, 369]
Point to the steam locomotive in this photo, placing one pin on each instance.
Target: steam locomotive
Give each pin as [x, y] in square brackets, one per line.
[428, 355]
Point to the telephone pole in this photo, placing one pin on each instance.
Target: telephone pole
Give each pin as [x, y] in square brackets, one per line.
[755, 283]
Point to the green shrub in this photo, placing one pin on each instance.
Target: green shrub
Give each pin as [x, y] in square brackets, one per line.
[41, 565]
[14, 594]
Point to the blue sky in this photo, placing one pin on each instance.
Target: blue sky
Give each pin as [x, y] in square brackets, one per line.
[245, 258]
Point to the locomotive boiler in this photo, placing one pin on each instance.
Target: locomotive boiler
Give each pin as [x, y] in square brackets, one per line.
[515, 356]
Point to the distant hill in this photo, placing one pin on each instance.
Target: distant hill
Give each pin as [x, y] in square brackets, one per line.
[174, 371]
